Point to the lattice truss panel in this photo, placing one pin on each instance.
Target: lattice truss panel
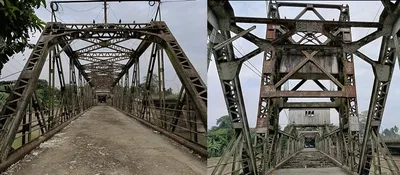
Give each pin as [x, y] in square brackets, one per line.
[309, 42]
[103, 64]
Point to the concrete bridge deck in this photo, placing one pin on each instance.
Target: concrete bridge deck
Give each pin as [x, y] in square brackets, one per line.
[311, 171]
[104, 141]
[309, 161]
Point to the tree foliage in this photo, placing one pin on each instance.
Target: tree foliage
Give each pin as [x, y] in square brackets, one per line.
[391, 133]
[154, 89]
[18, 18]
[219, 136]
[387, 133]
[42, 91]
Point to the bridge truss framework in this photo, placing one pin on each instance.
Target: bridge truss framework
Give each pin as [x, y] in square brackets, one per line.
[24, 116]
[343, 145]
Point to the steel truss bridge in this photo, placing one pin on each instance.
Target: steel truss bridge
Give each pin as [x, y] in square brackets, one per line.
[26, 119]
[272, 147]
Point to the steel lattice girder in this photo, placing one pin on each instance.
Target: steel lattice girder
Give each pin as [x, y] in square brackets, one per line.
[103, 54]
[228, 72]
[58, 33]
[221, 18]
[100, 43]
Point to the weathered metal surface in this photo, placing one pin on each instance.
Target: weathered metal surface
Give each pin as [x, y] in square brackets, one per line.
[309, 116]
[99, 78]
[312, 59]
[328, 62]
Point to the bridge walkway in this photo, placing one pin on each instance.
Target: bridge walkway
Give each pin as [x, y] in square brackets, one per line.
[309, 161]
[103, 141]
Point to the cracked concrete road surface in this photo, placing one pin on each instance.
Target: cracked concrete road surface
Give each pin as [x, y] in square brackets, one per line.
[104, 141]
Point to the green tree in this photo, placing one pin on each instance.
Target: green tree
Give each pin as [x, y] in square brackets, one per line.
[391, 132]
[219, 136]
[169, 92]
[18, 18]
[213, 147]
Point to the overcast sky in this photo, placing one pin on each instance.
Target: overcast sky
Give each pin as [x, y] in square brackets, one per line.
[188, 28]
[250, 81]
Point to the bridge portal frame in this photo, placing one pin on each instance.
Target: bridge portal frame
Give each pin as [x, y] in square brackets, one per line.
[257, 158]
[57, 37]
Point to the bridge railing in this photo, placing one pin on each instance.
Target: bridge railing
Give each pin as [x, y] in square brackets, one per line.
[379, 159]
[231, 162]
[40, 123]
[330, 145]
[178, 121]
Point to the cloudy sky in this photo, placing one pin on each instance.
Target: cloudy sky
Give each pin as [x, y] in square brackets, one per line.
[250, 79]
[188, 28]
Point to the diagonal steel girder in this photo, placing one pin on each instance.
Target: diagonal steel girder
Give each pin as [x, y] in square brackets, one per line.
[111, 43]
[93, 59]
[101, 43]
[189, 77]
[225, 13]
[58, 33]
[383, 72]
[219, 13]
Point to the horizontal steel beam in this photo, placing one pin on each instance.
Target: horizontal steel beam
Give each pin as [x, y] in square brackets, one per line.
[309, 125]
[304, 94]
[308, 104]
[101, 26]
[103, 54]
[300, 47]
[295, 4]
[65, 2]
[134, 57]
[292, 22]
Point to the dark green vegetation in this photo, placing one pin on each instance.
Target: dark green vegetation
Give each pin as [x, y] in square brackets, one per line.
[387, 133]
[43, 92]
[219, 136]
[17, 19]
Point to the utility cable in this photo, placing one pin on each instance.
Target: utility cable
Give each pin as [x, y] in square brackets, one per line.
[98, 14]
[112, 11]
[82, 10]
[55, 15]
[374, 18]
[10, 75]
[247, 60]
[259, 74]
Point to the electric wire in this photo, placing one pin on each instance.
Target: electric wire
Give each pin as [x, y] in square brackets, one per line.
[55, 15]
[258, 74]
[374, 18]
[112, 11]
[10, 75]
[18, 62]
[82, 10]
[149, 19]
[248, 61]
[4, 68]
[98, 14]
[12, 65]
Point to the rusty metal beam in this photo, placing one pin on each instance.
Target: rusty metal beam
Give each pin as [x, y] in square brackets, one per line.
[300, 24]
